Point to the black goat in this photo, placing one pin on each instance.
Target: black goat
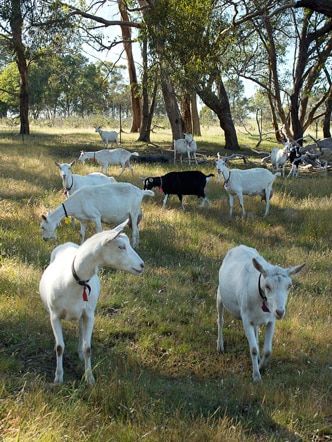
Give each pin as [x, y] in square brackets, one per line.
[191, 182]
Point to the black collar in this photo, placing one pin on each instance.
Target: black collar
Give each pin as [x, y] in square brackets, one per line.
[261, 293]
[64, 210]
[226, 181]
[265, 308]
[78, 279]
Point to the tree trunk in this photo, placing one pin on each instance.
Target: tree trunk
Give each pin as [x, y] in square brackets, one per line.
[147, 113]
[171, 105]
[186, 114]
[16, 23]
[220, 105]
[195, 116]
[327, 118]
[134, 88]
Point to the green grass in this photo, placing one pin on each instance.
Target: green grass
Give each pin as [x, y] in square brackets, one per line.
[159, 377]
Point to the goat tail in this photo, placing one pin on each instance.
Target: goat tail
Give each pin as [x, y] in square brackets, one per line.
[277, 174]
[148, 192]
[136, 154]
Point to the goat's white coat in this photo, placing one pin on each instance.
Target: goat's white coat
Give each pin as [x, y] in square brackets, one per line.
[257, 181]
[105, 157]
[108, 203]
[239, 293]
[279, 158]
[108, 136]
[72, 181]
[62, 296]
[183, 145]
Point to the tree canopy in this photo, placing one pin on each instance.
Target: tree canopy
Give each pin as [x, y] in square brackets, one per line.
[199, 47]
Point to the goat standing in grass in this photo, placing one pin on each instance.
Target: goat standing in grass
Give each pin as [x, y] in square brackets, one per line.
[255, 291]
[109, 203]
[108, 136]
[105, 157]
[190, 182]
[185, 145]
[71, 182]
[70, 287]
[257, 181]
[279, 157]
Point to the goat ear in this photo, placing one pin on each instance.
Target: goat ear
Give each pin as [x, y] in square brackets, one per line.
[44, 217]
[116, 231]
[218, 156]
[259, 266]
[295, 269]
[56, 163]
[72, 163]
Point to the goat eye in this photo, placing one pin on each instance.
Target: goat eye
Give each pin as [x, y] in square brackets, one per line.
[268, 287]
[122, 247]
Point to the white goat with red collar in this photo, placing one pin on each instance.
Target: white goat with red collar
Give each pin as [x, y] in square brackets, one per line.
[255, 291]
[70, 287]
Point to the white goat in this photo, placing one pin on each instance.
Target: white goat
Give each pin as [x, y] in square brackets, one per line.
[70, 287]
[108, 136]
[109, 203]
[110, 156]
[255, 291]
[71, 182]
[279, 157]
[257, 181]
[183, 145]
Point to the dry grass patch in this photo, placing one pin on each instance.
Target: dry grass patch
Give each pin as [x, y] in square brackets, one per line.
[154, 343]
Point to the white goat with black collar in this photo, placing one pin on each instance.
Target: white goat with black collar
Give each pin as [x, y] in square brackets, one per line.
[109, 203]
[255, 291]
[72, 181]
[70, 287]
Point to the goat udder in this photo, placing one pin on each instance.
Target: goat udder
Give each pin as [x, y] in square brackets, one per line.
[139, 219]
[264, 195]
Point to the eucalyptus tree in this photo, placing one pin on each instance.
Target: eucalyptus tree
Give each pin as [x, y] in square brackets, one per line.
[286, 52]
[28, 28]
[182, 35]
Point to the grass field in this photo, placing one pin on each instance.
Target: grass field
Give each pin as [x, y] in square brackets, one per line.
[159, 377]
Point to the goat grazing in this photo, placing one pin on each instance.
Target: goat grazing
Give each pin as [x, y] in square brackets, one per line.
[71, 182]
[255, 291]
[110, 156]
[183, 145]
[191, 182]
[108, 203]
[257, 181]
[70, 287]
[108, 136]
[279, 157]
